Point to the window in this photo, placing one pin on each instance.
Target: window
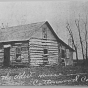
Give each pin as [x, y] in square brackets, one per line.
[63, 54]
[19, 50]
[45, 57]
[44, 33]
[67, 53]
[45, 51]
[18, 54]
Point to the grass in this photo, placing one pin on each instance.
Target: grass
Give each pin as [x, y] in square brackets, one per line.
[44, 75]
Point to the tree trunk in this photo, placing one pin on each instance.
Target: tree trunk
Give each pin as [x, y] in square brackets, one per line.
[77, 24]
[71, 34]
[76, 54]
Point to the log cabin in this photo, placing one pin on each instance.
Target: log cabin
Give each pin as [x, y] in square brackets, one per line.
[33, 44]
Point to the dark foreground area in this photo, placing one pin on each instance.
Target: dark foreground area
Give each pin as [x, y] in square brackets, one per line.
[44, 75]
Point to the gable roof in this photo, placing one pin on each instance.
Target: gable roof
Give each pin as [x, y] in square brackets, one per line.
[58, 39]
[24, 32]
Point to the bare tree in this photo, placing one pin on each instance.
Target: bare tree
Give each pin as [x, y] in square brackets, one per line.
[85, 25]
[82, 40]
[77, 22]
[73, 41]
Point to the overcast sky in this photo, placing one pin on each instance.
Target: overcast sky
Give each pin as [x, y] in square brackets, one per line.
[56, 12]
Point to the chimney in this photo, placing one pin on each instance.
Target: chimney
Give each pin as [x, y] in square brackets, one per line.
[2, 26]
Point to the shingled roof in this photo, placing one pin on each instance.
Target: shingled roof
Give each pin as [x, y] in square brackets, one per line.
[18, 33]
[24, 32]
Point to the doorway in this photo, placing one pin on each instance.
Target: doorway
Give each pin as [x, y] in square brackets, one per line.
[6, 61]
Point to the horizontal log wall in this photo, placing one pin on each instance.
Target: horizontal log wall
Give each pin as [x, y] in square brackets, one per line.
[1, 56]
[37, 47]
[24, 53]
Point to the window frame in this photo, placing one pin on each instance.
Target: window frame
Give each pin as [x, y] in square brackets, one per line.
[44, 33]
[19, 54]
[63, 53]
[46, 51]
[67, 53]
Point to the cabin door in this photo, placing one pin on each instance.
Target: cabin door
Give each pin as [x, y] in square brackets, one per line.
[6, 56]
